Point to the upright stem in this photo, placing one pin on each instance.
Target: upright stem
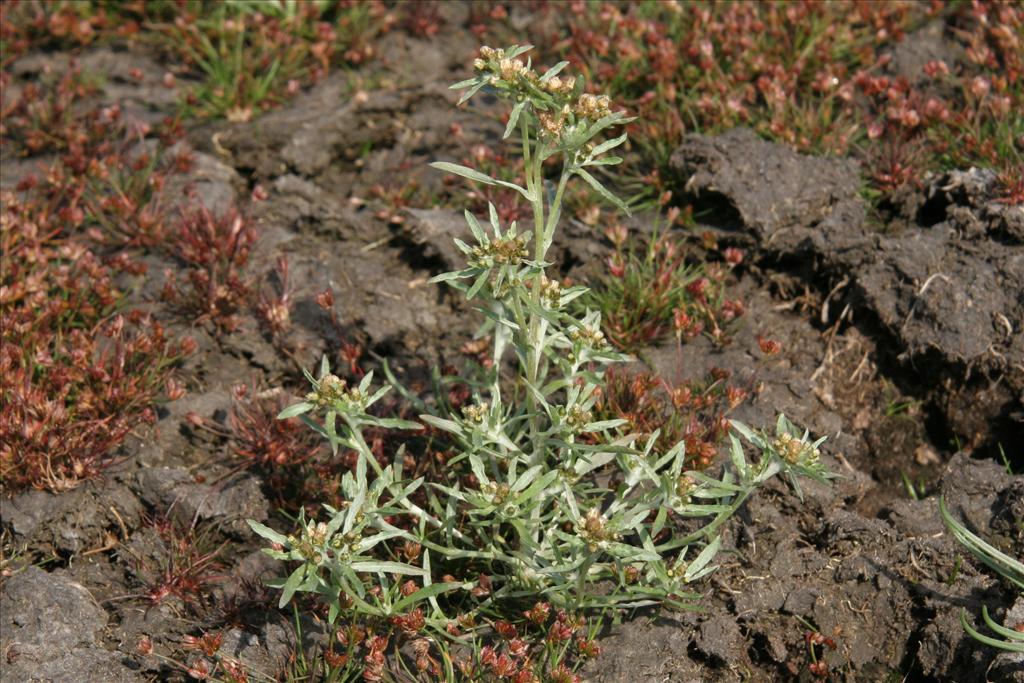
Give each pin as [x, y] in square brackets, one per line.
[535, 186]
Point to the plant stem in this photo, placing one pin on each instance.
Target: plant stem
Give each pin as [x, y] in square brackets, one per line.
[367, 453]
[534, 185]
[708, 531]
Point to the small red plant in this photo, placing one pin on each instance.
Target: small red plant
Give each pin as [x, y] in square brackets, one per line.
[260, 438]
[693, 412]
[816, 644]
[815, 76]
[538, 648]
[651, 289]
[77, 373]
[275, 303]
[185, 567]
[215, 251]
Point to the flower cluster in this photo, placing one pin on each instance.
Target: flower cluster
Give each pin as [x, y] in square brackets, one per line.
[587, 335]
[794, 450]
[593, 529]
[331, 389]
[562, 109]
[511, 251]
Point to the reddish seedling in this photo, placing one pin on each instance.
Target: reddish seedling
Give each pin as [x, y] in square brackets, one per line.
[214, 250]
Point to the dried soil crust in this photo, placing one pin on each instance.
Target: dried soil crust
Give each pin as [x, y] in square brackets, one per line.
[871, 570]
[944, 295]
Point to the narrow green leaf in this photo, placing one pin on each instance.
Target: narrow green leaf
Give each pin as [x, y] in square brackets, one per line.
[475, 228]
[747, 433]
[702, 560]
[370, 542]
[472, 91]
[603, 425]
[291, 585]
[513, 118]
[603, 191]
[378, 395]
[517, 50]
[525, 478]
[295, 410]
[614, 119]
[388, 568]
[493, 215]
[481, 280]
[606, 161]
[266, 532]
[442, 424]
[394, 423]
[455, 275]
[553, 71]
[464, 171]
[333, 611]
[987, 640]
[536, 487]
[314, 426]
[1008, 633]
[364, 384]
[513, 186]
[427, 592]
[738, 460]
[607, 145]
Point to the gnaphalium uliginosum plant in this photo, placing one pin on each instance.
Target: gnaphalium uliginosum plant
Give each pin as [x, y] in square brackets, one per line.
[550, 516]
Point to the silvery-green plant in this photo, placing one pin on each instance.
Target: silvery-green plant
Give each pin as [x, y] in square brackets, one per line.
[564, 508]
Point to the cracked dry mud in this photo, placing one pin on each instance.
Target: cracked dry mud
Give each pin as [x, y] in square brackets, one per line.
[929, 309]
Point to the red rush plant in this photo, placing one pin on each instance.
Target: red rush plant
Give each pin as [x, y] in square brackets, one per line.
[275, 303]
[693, 412]
[77, 374]
[813, 75]
[105, 178]
[215, 252]
[649, 289]
[41, 119]
[186, 566]
[259, 438]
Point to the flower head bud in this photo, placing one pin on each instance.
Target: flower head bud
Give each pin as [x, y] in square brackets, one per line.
[476, 413]
[496, 493]
[795, 451]
[328, 390]
[593, 107]
[594, 529]
[550, 292]
[578, 417]
[684, 485]
[510, 251]
[511, 69]
[587, 336]
[551, 125]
